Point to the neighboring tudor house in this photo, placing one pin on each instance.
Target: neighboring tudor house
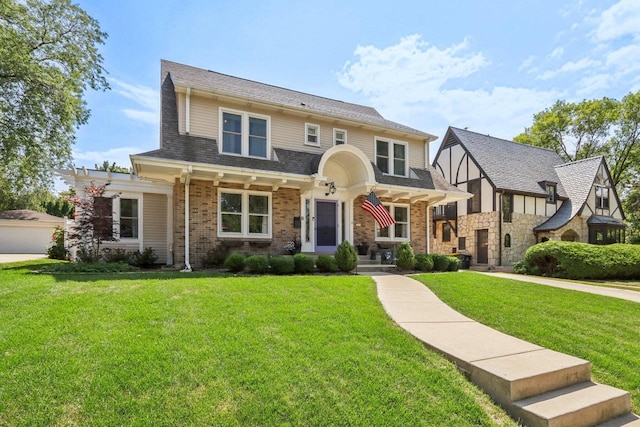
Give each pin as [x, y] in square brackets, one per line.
[254, 166]
[522, 195]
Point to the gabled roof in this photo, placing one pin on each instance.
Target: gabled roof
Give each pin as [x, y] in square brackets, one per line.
[577, 179]
[509, 165]
[214, 82]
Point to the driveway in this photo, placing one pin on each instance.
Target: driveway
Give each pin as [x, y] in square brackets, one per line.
[4, 258]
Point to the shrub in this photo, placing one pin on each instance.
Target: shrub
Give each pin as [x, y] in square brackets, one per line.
[282, 265]
[257, 264]
[424, 262]
[326, 264]
[454, 263]
[235, 262]
[440, 262]
[145, 259]
[87, 256]
[215, 257]
[405, 259]
[346, 256]
[575, 260]
[303, 263]
[115, 255]
[520, 267]
[57, 249]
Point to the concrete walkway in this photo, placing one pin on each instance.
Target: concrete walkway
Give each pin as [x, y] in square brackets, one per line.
[537, 386]
[598, 290]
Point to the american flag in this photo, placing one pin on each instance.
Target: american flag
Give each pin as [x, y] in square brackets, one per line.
[373, 205]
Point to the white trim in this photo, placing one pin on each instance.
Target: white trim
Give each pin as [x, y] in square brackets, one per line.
[308, 126]
[187, 113]
[335, 138]
[244, 132]
[244, 224]
[390, 157]
[391, 228]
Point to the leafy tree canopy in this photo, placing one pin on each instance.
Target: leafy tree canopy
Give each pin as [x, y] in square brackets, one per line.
[48, 58]
[592, 127]
[111, 167]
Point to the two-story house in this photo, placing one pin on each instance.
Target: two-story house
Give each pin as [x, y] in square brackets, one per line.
[254, 166]
[521, 195]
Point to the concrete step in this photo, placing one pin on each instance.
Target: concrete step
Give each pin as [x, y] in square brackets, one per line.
[585, 404]
[365, 268]
[628, 420]
[521, 375]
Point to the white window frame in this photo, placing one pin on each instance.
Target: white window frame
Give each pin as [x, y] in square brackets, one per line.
[391, 207]
[245, 116]
[335, 136]
[602, 189]
[244, 222]
[120, 218]
[115, 215]
[308, 126]
[390, 158]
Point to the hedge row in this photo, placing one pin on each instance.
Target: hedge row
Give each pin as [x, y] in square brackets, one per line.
[574, 260]
[263, 264]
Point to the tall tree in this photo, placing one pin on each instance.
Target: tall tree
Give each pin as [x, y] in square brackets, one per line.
[592, 127]
[48, 59]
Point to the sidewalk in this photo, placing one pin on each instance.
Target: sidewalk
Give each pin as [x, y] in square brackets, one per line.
[535, 385]
[558, 283]
[4, 258]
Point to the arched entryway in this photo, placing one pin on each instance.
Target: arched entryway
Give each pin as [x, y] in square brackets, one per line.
[570, 236]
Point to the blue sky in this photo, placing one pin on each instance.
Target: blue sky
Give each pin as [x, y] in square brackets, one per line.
[486, 65]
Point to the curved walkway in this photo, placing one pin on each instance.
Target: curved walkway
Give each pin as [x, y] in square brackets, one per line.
[533, 384]
[598, 290]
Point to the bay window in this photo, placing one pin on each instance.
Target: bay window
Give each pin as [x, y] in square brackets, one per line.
[244, 134]
[244, 213]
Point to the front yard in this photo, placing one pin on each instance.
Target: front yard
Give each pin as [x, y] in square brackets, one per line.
[605, 331]
[195, 349]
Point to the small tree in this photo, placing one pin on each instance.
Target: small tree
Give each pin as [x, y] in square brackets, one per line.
[406, 259]
[93, 221]
[346, 256]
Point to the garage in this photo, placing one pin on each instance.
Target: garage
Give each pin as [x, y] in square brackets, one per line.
[26, 232]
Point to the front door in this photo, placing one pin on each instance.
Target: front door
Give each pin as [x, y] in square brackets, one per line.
[326, 225]
[482, 246]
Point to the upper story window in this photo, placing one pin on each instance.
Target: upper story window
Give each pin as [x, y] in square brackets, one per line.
[312, 134]
[339, 136]
[244, 213]
[398, 231]
[602, 197]
[474, 204]
[391, 157]
[244, 134]
[507, 207]
[551, 192]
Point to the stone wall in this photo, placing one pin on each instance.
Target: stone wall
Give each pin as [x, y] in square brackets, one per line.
[522, 236]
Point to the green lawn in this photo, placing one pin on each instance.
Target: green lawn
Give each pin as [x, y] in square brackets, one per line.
[605, 331]
[195, 349]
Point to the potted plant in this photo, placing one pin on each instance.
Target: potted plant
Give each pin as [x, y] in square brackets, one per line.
[293, 246]
[363, 248]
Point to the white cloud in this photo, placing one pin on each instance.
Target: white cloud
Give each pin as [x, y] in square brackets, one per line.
[626, 59]
[143, 96]
[527, 63]
[623, 18]
[118, 155]
[594, 84]
[569, 67]
[407, 83]
[557, 52]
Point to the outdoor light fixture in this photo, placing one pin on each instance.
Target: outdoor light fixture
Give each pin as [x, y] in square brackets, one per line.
[332, 188]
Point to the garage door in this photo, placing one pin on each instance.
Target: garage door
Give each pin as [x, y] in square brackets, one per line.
[32, 239]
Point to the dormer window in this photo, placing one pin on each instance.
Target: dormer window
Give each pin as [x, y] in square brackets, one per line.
[391, 156]
[244, 134]
[312, 133]
[602, 197]
[551, 192]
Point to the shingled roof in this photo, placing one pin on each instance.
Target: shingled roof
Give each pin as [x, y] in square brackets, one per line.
[192, 149]
[577, 179]
[214, 82]
[509, 165]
